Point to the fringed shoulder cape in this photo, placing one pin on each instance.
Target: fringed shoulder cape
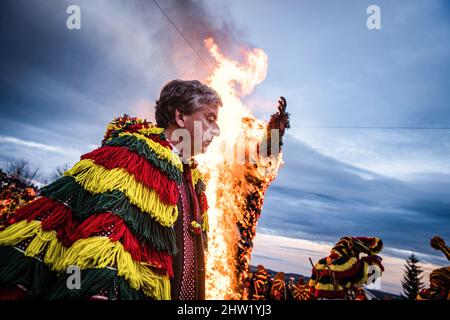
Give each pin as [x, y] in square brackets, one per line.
[344, 268]
[111, 215]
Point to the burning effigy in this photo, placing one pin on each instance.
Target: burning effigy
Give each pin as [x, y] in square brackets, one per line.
[238, 169]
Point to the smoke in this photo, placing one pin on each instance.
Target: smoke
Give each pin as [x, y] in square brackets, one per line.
[150, 46]
[197, 21]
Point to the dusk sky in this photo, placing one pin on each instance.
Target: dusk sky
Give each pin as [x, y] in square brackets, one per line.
[369, 148]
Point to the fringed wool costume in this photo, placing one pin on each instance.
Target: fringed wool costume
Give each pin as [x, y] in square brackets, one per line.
[260, 284]
[439, 278]
[118, 216]
[343, 269]
[278, 289]
[300, 291]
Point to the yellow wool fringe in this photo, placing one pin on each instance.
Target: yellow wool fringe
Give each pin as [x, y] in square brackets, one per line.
[196, 176]
[205, 222]
[325, 286]
[95, 252]
[348, 284]
[144, 131]
[152, 130]
[161, 151]
[17, 232]
[97, 179]
[339, 268]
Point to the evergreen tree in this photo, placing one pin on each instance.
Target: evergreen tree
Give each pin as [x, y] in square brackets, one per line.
[412, 279]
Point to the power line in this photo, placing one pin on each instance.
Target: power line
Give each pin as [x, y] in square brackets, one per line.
[372, 127]
[207, 67]
[182, 35]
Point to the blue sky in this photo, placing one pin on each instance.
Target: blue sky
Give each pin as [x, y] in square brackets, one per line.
[59, 88]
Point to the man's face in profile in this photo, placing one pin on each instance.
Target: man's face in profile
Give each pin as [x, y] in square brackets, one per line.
[202, 127]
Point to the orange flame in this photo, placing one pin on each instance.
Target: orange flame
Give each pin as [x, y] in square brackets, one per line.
[227, 182]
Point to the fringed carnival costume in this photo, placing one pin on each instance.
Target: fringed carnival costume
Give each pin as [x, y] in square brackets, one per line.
[278, 289]
[343, 272]
[115, 215]
[439, 278]
[260, 284]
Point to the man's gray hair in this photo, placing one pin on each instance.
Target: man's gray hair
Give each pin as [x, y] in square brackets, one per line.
[184, 96]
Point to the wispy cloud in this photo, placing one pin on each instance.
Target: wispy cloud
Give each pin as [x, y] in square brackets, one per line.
[31, 144]
[329, 199]
[42, 156]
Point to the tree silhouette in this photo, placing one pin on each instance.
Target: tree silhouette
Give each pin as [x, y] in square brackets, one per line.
[59, 172]
[22, 173]
[412, 278]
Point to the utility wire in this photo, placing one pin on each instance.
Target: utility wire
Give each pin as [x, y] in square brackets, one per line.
[207, 67]
[372, 127]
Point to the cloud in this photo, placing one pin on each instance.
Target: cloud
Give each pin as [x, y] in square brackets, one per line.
[395, 153]
[31, 144]
[42, 156]
[329, 199]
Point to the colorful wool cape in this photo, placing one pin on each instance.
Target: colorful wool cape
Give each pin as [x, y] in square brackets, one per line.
[111, 215]
[344, 269]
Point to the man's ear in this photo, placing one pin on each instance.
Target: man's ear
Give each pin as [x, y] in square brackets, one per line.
[179, 118]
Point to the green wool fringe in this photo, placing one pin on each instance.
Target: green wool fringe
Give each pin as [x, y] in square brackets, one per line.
[139, 146]
[85, 204]
[92, 282]
[16, 268]
[42, 283]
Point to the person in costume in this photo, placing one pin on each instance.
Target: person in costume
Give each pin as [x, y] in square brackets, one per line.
[260, 283]
[439, 278]
[340, 275]
[300, 291]
[278, 289]
[130, 215]
[15, 192]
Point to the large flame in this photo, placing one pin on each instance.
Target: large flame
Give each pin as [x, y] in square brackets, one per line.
[228, 184]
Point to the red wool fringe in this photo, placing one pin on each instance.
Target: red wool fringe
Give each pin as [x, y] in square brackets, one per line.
[132, 128]
[203, 202]
[164, 143]
[327, 294]
[120, 157]
[116, 229]
[58, 217]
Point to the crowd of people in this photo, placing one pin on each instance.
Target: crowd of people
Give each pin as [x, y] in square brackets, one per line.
[14, 193]
[340, 275]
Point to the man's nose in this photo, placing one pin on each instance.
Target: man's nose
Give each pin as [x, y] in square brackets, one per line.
[216, 131]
